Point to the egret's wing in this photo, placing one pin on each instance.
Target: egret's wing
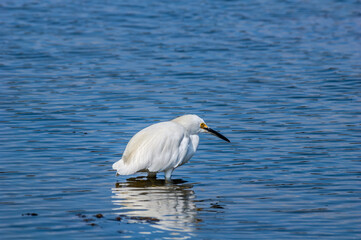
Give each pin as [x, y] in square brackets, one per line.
[156, 147]
[190, 147]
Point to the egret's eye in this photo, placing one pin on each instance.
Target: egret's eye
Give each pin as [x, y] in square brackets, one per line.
[202, 125]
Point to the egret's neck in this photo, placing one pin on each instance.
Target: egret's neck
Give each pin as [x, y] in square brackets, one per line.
[191, 126]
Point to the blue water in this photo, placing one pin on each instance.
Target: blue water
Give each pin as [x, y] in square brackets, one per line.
[280, 79]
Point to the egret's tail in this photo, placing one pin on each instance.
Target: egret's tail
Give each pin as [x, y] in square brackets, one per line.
[123, 169]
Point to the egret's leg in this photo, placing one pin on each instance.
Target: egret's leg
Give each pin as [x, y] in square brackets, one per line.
[168, 174]
[152, 175]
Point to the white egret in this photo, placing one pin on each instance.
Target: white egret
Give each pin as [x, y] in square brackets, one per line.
[163, 146]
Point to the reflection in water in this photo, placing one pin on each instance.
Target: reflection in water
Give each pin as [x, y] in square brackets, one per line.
[172, 205]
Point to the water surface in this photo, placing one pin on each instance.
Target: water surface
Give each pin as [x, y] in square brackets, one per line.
[280, 79]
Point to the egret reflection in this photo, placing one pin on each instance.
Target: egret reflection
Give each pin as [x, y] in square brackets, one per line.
[172, 205]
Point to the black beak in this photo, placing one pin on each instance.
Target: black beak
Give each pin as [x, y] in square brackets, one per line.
[210, 130]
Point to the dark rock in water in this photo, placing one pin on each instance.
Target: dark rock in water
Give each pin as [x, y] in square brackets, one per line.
[99, 215]
[88, 219]
[29, 214]
[120, 217]
[147, 219]
[216, 205]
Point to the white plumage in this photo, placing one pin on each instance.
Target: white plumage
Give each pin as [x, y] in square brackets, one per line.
[162, 147]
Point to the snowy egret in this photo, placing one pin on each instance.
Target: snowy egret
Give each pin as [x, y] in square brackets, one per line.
[163, 146]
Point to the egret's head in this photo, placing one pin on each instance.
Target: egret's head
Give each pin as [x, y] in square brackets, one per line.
[195, 125]
[205, 128]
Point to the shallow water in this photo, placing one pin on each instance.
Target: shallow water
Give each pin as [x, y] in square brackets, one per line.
[280, 79]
